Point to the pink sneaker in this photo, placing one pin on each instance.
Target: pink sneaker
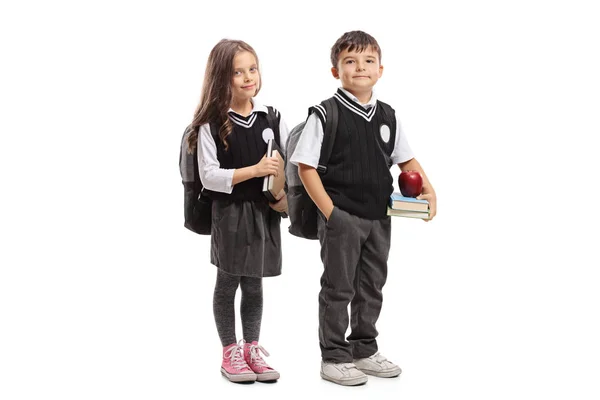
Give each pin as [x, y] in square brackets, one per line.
[257, 364]
[234, 366]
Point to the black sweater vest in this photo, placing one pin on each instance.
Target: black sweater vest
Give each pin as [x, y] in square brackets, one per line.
[246, 148]
[358, 177]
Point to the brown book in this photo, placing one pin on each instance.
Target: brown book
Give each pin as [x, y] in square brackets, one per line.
[399, 202]
[272, 184]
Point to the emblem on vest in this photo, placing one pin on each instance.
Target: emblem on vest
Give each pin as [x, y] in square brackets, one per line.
[384, 131]
[268, 134]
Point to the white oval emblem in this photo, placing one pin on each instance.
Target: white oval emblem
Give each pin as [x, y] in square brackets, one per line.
[268, 134]
[385, 133]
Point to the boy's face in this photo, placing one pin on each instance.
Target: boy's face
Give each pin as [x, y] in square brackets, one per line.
[359, 72]
[246, 78]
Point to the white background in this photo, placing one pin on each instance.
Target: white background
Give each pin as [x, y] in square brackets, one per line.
[104, 294]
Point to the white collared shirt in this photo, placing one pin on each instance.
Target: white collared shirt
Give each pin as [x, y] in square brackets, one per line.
[214, 177]
[308, 149]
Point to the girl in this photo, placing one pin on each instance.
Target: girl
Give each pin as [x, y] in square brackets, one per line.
[232, 130]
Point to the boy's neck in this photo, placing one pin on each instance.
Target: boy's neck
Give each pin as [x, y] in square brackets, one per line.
[363, 97]
[243, 107]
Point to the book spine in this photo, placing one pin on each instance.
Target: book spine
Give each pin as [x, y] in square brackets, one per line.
[409, 206]
[270, 197]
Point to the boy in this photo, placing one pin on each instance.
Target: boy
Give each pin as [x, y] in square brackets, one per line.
[352, 196]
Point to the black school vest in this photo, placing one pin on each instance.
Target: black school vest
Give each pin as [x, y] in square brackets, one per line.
[358, 177]
[246, 147]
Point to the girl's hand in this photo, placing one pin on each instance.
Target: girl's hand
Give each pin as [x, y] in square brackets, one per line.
[266, 166]
[281, 204]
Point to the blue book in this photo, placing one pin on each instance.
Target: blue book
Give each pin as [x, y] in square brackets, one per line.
[399, 202]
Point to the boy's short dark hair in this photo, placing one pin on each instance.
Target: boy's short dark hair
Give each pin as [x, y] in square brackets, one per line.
[355, 40]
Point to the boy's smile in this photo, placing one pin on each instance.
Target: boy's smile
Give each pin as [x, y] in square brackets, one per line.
[358, 71]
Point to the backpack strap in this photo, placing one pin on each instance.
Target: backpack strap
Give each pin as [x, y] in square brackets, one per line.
[273, 121]
[189, 158]
[214, 132]
[197, 181]
[331, 123]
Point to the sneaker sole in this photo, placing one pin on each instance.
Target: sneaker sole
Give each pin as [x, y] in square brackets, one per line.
[388, 374]
[267, 376]
[238, 377]
[346, 382]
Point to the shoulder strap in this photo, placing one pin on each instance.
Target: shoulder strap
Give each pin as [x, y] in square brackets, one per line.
[214, 131]
[331, 123]
[388, 110]
[390, 115]
[273, 121]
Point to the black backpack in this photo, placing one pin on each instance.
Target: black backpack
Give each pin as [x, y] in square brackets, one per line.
[302, 211]
[197, 205]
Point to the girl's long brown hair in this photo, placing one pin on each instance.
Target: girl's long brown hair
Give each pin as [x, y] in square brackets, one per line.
[216, 90]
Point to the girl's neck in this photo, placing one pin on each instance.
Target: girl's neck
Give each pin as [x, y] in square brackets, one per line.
[242, 107]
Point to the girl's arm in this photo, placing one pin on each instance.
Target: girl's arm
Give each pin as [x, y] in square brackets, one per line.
[219, 179]
[266, 166]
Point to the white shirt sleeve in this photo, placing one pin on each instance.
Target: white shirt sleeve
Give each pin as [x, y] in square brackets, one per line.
[402, 151]
[213, 177]
[308, 149]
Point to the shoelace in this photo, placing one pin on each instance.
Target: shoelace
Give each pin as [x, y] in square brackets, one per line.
[255, 357]
[236, 357]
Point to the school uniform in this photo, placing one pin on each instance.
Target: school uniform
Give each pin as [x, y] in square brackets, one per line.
[355, 241]
[245, 235]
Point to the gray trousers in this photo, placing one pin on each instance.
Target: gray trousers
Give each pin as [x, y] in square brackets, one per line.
[354, 253]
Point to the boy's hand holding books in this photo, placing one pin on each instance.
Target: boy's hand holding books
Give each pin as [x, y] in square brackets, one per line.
[401, 206]
[415, 200]
[431, 199]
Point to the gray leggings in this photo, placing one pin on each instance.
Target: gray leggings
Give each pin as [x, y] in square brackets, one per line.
[250, 308]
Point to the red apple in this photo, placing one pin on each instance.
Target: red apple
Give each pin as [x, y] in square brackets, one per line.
[411, 183]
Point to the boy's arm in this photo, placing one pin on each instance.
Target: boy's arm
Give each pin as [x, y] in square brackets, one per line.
[428, 191]
[314, 187]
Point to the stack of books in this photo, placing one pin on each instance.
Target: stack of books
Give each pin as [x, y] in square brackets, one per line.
[410, 207]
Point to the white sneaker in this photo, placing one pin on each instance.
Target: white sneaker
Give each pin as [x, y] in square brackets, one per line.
[345, 374]
[378, 365]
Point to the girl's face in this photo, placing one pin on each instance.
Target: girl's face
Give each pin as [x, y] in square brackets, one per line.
[246, 78]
